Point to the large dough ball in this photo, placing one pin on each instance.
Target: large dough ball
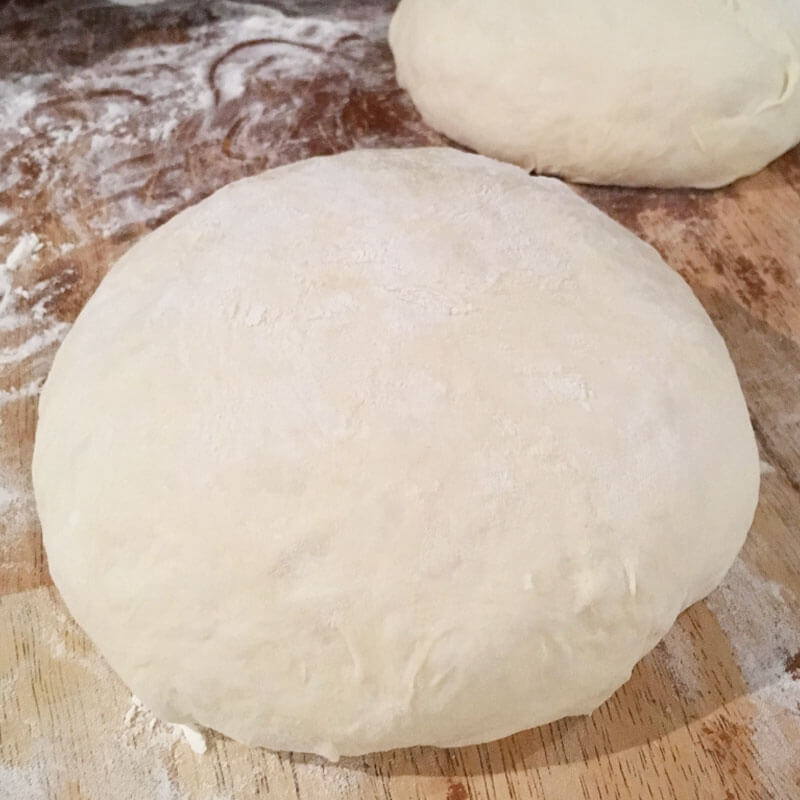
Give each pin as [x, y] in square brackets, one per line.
[389, 448]
[632, 92]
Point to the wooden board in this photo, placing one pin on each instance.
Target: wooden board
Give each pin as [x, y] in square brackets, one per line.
[112, 119]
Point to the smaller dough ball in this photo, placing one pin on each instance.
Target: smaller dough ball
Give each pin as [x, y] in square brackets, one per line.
[658, 93]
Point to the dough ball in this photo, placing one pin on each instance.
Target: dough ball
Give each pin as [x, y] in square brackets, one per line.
[390, 448]
[655, 93]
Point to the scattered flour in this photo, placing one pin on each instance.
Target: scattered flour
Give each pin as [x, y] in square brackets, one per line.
[30, 389]
[22, 251]
[18, 783]
[135, 131]
[681, 660]
[765, 636]
[28, 338]
[140, 721]
[41, 332]
[7, 497]
[195, 738]
[33, 344]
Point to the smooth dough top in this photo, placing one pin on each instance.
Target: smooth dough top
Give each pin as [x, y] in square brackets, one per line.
[388, 448]
[658, 93]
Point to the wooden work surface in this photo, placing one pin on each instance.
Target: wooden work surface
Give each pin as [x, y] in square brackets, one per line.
[113, 118]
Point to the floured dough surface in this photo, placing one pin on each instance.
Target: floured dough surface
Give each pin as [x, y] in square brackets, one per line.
[389, 448]
[659, 93]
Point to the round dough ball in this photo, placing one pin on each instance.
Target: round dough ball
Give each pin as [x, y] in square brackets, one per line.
[389, 448]
[656, 93]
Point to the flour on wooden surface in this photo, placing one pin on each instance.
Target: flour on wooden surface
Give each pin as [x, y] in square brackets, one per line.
[40, 332]
[122, 130]
[27, 342]
[82, 694]
[142, 722]
[195, 738]
[764, 637]
[18, 783]
[680, 658]
[96, 733]
[28, 338]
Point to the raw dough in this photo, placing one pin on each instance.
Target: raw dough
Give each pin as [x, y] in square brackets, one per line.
[661, 93]
[389, 448]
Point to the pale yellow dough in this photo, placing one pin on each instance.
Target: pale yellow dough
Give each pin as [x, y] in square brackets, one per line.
[389, 448]
[633, 92]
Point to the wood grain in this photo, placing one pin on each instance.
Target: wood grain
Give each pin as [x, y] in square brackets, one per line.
[114, 118]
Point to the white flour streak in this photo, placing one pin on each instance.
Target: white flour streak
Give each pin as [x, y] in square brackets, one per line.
[34, 344]
[195, 738]
[10, 322]
[27, 245]
[19, 97]
[7, 497]
[140, 721]
[30, 389]
[41, 333]
[27, 338]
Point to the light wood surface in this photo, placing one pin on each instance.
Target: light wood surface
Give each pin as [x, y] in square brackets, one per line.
[112, 119]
